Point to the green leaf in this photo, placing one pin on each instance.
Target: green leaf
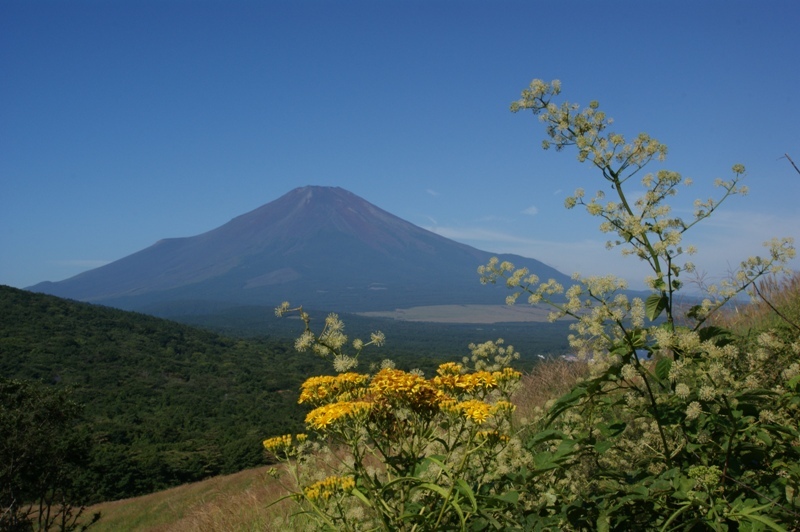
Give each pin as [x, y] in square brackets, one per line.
[480, 524]
[425, 463]
[614, 429]
[567, 401]
[602, 446]
[361, 496]
[751, 514]
[694, 312]
[636, 337]
[464, 489]
[662, 368]
[718, 335]
[445, 494]
[603, 522]
[510, 497]
[764, 436]
[655, 305]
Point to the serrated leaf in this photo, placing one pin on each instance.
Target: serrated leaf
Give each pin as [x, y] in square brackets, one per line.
[654, 305]
[764, 436]
[662, 368]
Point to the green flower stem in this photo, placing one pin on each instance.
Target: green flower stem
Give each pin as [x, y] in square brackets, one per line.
[452, 485]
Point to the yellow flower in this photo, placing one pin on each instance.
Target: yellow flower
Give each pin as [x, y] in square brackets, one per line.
[492, 436]
[477, 411]
[503, 407]
[278, 443]
[397, 388]
[449, 368]
[326, 488]
[326, 389]
[466, 383]
[324, 416]
[507, 374]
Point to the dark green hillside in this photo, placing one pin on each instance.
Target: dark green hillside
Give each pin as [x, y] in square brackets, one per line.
[167, 403]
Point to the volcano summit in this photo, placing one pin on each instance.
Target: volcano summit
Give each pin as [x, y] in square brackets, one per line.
[322, 247]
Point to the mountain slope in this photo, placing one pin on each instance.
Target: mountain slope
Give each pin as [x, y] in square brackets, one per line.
[323, 247]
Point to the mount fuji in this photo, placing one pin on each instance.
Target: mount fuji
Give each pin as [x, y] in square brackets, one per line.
[322, 247]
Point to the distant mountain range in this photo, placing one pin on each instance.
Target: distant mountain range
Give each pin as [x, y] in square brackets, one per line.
[322, 247]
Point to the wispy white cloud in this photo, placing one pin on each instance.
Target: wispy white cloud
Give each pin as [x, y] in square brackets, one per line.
[589, 257]
[476, 234]
[431, 192]
[532, 210]
[493, 218]
[722, 243]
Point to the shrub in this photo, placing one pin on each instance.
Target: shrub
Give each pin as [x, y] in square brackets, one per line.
[42, 457]
[393, 450]
[680, 424]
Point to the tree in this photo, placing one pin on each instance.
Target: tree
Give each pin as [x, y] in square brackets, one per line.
[42, 453]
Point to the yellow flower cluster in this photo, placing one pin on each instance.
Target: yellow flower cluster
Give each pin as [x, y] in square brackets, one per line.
[476, 410]
[324, 389]
[450, 379]
[353, 396]
[467, 383]
[492, 436]
[278, 443]
[398, 387]
[326, 415]
[449, 368]
[328, 487]
[282, 443]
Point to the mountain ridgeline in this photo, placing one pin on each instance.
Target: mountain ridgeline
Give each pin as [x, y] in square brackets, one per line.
[322, 247]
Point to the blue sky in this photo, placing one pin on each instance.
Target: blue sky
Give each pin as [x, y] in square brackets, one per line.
[122, 123]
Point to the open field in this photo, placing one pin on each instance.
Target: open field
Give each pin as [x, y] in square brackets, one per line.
[466, 314]
[230, 502]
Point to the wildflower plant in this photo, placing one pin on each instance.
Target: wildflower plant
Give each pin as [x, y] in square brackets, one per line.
[393, 450]
[680, 425]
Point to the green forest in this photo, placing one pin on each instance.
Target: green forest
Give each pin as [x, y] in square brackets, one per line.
[166, 403]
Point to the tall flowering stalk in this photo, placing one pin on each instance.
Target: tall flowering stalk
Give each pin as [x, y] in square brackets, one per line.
[699, 431]
[393, 450]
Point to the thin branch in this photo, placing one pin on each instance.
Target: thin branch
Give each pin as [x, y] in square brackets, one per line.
[770, 305]
[791, 161]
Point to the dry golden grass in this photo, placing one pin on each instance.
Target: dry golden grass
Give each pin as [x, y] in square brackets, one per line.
[548, 380]
[232, 502]
[778, 305]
